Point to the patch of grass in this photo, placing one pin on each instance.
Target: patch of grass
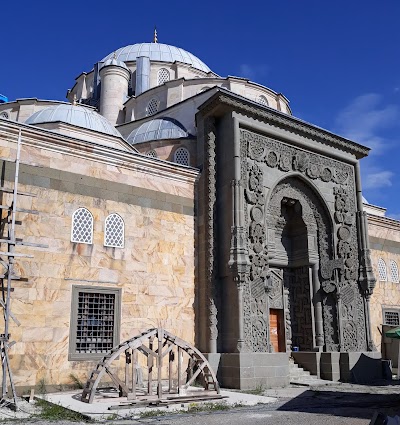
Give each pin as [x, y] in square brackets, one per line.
[53, 412]
[152, 413]
[258, 390]
[193, 408]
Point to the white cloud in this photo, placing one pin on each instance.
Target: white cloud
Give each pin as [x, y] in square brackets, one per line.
[252, 72]
[378, 180]
[364, 120]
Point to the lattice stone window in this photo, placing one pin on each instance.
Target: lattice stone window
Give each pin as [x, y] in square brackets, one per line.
[114, 231]
[391, 317]
[262, 100]
[152, 107]
[152, 153]
[4, 115]
[394, 271]
[163, 76]
[82, 226]
[382, 272]
[182, 156]
[95, 321]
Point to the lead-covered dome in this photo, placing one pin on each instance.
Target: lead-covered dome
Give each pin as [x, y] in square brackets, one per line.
[75, 115]
[157, 129]
[158, 52]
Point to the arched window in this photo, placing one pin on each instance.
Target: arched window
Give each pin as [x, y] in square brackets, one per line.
[114, 230]
[262, 100]
[203, 89]
[382, 272]
[152, 107]
[163, 76]
[82, 226]
[152, 153]
[181, 156]
[394, 271]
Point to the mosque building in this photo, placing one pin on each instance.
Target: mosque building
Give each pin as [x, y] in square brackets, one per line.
[169, 195]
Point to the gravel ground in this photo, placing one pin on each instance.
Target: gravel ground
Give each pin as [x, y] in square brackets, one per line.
[328, 405]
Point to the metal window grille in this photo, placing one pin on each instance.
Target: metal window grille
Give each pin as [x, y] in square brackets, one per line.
[152, 153]
[82, 226]
[114, 231]
[152, 107]
[163, 76]
[382, 270]
[394, 271]
[95, 322]
[262, 100]
[181, 156]
[391, 318]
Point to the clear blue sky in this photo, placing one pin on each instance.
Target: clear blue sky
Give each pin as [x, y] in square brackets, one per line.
[338, 62]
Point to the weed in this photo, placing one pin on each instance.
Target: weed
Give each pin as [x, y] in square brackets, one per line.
[258, 390]
[78, 383]
[152, 413]
[54, 412]
[207, 407]
[42, 387]
[112, 417]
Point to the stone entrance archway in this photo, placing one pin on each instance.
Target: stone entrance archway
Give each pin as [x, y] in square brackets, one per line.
[299, 239]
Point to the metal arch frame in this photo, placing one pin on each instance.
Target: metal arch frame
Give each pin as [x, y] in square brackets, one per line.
[137, 343]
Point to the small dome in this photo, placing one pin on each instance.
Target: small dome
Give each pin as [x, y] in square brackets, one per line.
[75, 115]
[158, 52]
[157, 129]
[115, 62]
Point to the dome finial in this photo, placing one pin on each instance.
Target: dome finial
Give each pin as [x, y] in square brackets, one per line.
[155, 40]
[75, 100]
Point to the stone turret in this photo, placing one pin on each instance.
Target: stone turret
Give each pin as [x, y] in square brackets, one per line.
[115, 77]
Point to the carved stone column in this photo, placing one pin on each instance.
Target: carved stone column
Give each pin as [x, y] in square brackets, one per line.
[211, 292]
[319, 324]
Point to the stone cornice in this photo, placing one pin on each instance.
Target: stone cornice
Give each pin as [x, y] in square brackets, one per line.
[45, 139]
[247, 107]
[386, 222]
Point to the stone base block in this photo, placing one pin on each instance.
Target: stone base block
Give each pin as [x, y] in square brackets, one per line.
[250, 370]
[309, 361]
[361, 367]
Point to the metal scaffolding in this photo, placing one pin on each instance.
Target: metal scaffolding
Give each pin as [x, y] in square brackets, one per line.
[7, 260]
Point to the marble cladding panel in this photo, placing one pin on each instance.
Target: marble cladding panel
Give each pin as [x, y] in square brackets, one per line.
[386, 293]
[155, 271]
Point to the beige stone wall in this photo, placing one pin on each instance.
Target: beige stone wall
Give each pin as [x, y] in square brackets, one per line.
[384, 235]
[155, 269]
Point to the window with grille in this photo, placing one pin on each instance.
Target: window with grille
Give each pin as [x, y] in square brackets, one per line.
[391, 317]
[163, 76]
[394, 271]
[382, 270]
[114, 231]
[94, 322]
[181, 156]
[152, 153]
[152, 107]
[4, 115]
[262, 100]
[82, 226]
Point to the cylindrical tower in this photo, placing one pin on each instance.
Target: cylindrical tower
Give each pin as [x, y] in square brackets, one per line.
[114, 89]
[142, 74]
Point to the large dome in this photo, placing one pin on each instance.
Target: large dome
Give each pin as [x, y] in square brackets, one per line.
[158, 52]
[75, 115]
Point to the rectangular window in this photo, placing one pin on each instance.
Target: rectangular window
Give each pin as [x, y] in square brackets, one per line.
[95, 322]
[391, 317]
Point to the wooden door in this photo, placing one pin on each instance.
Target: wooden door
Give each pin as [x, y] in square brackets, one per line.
[276, 330]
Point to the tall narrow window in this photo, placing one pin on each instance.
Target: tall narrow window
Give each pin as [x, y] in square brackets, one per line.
[95, 322]
[163, 76]
[181, 156]
[382, 272]
[152, 107]
[394, 271]
[82, 226]
[114, 231]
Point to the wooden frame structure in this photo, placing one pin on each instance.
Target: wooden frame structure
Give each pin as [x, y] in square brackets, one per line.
[156, 345]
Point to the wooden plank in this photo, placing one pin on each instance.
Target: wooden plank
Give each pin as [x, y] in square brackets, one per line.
[179, 368]
[150, 361]
[7, 190]
[134, 372]
[170, 365]
[6, 207]
[159, 362]
[15, 254]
